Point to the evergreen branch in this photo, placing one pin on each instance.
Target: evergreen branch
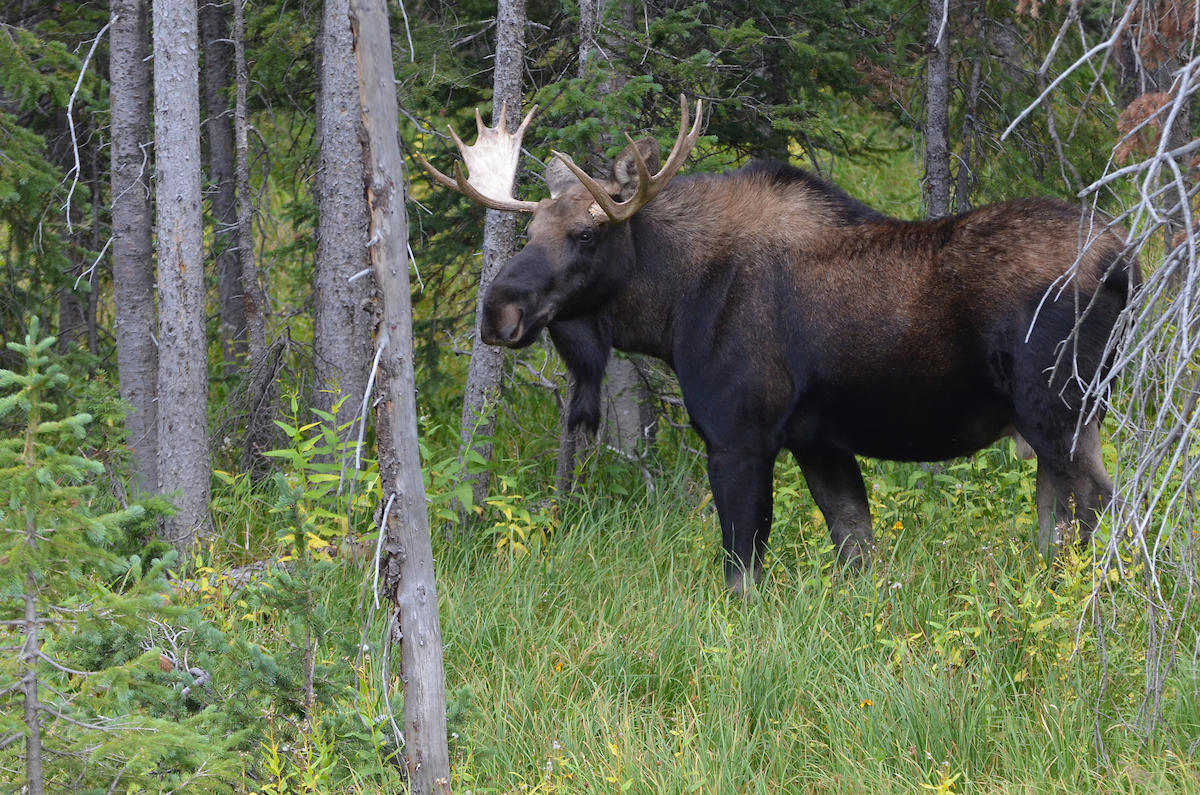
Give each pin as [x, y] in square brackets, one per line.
[56, 664]
[60, 715]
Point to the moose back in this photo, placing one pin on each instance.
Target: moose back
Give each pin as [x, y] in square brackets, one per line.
[796, 317]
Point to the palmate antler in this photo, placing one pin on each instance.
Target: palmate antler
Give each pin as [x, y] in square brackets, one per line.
[491, 162]
[648, 186]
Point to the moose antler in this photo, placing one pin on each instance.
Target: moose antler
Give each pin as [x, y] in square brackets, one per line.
[648, 186]
[492, 163]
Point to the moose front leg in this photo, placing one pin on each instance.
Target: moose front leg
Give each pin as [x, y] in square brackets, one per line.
[741, 487]
[584, 345]
[836, 483]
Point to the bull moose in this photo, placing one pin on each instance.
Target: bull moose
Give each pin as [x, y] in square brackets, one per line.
[797, 317]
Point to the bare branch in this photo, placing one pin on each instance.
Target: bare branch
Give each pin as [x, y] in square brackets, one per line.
[75, 170]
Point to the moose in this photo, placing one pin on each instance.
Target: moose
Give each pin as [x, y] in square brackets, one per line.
[797, 317]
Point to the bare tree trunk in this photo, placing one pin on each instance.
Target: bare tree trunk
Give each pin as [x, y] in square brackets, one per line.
[410, 571]
[482, 390]
[342, 315]
[132, 245]
[72, 307]
[260, 409]
[628, 410]
[937, 111]
[72, 314]
[96, 185]
[34, 778]
[965, 178]
[218, 131]
[183, 469]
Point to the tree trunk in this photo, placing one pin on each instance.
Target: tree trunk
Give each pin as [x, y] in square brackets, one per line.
[260, 408]
[218, 130]
[96, 186]
[342, 314]
[965, 178]
[937, 111]
[410, 572]
[628, 410]
[132, 244]
[72, 313]
[183, 469]
[34, 778]
[72, 305]
[482, 390]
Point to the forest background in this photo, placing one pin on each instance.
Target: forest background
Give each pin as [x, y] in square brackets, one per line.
[198, 542]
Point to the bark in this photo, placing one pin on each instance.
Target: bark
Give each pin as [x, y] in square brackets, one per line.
[342, 315]
[482, 390]
[96, 184]
[410, 572]
[262, 385]
[628, 410]
[965, 177]
[183, 469]
[34, 778]
[218, 131]
[132, 246]
[72, 314]
[72, 305]
[937, 111]
[1130, 76]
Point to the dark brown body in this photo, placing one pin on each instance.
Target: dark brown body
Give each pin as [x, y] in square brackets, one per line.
[798, 318]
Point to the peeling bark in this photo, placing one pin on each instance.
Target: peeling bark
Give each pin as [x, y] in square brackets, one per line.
[410, 580]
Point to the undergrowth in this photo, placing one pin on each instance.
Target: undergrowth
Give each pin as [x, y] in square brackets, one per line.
[591, 647]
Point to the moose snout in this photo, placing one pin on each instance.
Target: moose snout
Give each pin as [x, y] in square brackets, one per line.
[503, 324]
[515, 306]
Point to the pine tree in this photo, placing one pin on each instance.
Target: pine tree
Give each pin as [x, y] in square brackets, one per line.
[94, 694]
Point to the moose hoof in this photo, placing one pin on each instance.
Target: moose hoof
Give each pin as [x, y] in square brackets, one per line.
[737, 582]
[855, 553]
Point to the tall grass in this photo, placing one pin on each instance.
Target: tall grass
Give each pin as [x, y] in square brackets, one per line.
[611, 659]
[602, 653]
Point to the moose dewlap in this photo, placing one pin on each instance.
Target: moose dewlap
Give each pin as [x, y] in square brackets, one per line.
[796, 317]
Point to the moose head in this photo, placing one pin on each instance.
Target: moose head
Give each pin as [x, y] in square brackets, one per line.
[579, 241]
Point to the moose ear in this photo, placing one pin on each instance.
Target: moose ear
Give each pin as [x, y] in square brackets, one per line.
[558, 177]
[624, 170]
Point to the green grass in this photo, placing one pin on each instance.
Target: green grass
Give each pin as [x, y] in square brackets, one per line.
[613, 660]
[592, 647]
[609, 657]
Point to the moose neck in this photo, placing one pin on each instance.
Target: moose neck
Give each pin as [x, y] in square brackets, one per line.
[703, 226]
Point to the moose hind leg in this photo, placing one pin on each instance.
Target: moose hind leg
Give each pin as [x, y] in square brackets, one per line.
[741, 486]
[835, 482]
[1072, 487]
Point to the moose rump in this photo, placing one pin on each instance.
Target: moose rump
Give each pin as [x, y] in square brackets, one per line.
[798, 318]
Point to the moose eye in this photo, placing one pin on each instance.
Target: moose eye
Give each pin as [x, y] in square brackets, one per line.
[586, 236]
